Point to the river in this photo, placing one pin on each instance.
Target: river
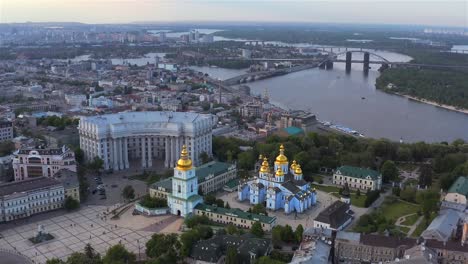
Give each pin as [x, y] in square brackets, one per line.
[337, 97]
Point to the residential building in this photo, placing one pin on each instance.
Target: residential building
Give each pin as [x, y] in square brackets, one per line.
[456, 197]
[31, 163]
[334, 217]
[304, 120]
[213, 250]
[251, 109]
[145, 136]
[29, 197]
[234, 216]
[212, 177]
[6, 130]
[283, 188]
[361, 248]
[358, 178]
[75, 100]
[449, 252]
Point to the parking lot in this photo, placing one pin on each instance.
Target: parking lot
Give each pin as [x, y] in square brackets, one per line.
[112, 186]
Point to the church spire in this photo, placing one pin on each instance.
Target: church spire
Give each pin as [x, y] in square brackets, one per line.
[184, 163]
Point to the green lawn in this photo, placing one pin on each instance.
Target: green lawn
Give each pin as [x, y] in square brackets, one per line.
[403, 229]
[327, 189]
[357, 201]
[410, 220]
[422, 226]
[399, 208]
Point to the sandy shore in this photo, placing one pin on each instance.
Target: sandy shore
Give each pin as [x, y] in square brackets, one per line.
[448, 107]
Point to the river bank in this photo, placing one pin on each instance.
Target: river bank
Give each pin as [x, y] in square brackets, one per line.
[425, 101]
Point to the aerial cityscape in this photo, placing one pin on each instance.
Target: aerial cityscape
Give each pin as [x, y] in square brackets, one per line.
[251, 132]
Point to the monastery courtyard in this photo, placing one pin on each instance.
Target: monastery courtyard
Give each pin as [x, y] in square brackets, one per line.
[306, 219]
[72, 231]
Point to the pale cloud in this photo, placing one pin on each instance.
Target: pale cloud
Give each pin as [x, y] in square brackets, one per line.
[448, 12]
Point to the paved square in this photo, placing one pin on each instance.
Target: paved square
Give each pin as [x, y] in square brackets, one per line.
[73, 231]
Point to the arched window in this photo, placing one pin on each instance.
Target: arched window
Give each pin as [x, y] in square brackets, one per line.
[191, 188]
[178, 189]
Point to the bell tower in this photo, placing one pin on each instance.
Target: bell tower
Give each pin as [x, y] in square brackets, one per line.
[184, 195]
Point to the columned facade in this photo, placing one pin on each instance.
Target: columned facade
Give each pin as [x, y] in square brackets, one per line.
[143, 137]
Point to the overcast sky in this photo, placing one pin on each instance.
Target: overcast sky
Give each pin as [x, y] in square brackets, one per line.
[440, 12]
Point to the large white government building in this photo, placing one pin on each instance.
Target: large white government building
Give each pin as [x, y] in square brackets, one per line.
[121, 138]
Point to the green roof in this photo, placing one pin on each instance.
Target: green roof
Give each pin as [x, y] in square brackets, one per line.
[166, 184]
[232, 183]
[292, 130]
[190, 199]
[357, 172]
[236, 212]
[211, 168]
[460, 186]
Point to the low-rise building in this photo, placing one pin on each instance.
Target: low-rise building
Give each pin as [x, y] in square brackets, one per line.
[334, 217]
[212, 177]
[213, 250]
[315, 247]
[361, 248]
[358, 178]
[6, 130]
[456, 197]
[31, 163]
[234, 216]
[70, 182]
[443, 227]
[29, 197]
[304, 120]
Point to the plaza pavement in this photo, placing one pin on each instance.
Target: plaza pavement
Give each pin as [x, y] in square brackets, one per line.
[72, 231]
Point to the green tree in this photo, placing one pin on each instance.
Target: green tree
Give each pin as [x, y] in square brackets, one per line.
[79, 155]
[257, 229]
[258, 209]
[161, 244]
[389, 171]
[96, 165]
[276, 235]
[287, 234]
[128, 192]
[77, 258]
[298, 233]
[246, 160]
[6, 148]
[231, 255]
[204, 157]
[231, 229]
[227, 206]
[209, 199]
[408, 194]
[268, 260]
[118, 254]
[71, 204]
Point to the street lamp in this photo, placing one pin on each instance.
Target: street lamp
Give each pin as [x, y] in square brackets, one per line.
[139, 256]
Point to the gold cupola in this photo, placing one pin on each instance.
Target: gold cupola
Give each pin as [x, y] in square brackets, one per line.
[281, 159]
[293, 166]
[279, 172]
[265, 166]
[298, 170]
[184, 163]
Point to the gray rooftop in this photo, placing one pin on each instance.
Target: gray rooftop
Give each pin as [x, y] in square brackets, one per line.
[27, 185]
[68, 178]
[349, 236]
[443, 226]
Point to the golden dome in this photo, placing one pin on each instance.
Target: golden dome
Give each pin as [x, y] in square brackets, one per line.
[279, 172]
[293, 166]
[298, 170]
[281, 159]
[184, 163]
[265, 166]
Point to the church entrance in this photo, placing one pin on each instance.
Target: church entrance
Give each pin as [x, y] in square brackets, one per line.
[178, 212]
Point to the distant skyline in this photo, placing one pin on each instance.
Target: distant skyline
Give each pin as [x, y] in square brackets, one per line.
[414, 12]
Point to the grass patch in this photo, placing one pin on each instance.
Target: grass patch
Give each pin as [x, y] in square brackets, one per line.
[410, 220]
[327, 189]
[394, 210]
[423, 225]
[403, 229]
[357, 201]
